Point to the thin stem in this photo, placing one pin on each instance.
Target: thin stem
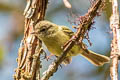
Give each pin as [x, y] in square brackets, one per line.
[115, 45]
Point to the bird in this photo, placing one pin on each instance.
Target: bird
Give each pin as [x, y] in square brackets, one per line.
[55, 36]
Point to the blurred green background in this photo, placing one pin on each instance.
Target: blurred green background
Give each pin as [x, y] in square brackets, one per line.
[12, 28]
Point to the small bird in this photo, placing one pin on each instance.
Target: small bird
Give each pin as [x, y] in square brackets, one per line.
[55, 36]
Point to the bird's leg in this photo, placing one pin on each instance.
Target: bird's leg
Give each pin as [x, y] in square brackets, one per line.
[48, 57]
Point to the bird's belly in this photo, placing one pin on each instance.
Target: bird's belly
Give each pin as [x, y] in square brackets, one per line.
[55, 47]
[55, 44]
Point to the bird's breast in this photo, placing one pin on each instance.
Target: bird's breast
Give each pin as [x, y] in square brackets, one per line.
[56, 42]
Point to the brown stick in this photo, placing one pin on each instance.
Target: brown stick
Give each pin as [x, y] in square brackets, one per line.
[30, 48]
[115, 45]
[83, 27]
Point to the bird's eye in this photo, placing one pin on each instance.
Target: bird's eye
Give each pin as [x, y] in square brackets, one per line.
[42, 30]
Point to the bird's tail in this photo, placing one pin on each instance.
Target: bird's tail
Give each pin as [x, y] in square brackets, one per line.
[96, 59]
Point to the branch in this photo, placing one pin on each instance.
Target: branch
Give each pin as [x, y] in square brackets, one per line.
[85, 24]
[67, 4]
[115, 45]
[30, 48]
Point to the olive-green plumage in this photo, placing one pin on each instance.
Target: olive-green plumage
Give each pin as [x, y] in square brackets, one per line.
[55, 36]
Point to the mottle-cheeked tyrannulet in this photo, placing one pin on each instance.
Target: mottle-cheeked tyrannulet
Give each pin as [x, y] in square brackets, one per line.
[55, 36]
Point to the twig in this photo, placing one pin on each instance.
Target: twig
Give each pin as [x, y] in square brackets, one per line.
[115, 45]
[67, 4]
[83, 27]
[30, 48]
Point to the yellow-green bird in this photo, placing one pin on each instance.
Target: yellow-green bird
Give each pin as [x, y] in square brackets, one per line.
[55, 36]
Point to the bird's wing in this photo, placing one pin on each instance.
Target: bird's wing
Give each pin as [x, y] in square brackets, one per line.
[67, 31]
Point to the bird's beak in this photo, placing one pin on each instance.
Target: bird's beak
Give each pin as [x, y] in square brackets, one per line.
[34, 32]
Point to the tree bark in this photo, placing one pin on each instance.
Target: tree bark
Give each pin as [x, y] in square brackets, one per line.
[30, 47]
[115, 45]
